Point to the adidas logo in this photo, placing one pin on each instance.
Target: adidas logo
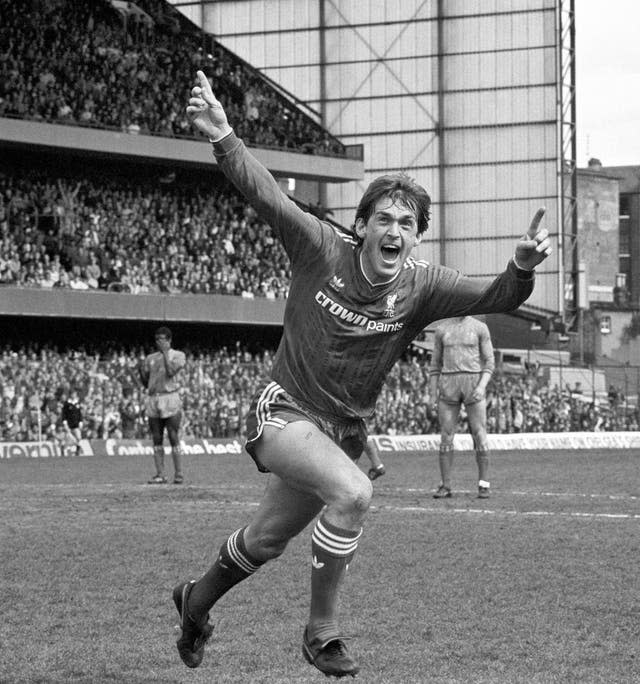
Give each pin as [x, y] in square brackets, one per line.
[316, 563]
[336, 283]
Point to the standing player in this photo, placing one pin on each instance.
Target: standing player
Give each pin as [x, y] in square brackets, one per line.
[461, 367]
[376, 468]
[159, 374]
[357, 299]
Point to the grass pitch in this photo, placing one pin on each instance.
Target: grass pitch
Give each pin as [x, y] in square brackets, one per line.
[537, 584]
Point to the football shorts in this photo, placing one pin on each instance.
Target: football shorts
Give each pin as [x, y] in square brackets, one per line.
[457, 388]
[163, 405]
[273, 406]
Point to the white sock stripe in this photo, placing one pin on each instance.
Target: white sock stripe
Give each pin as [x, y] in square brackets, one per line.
[334, 543]
[336, 537]
[333, 550]
[241, 561]
[338, 546]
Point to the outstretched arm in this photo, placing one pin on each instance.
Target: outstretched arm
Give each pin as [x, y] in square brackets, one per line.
[249, 176]
[456, 295]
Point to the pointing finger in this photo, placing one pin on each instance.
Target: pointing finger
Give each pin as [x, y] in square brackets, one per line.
[535, 223]
[205, 88]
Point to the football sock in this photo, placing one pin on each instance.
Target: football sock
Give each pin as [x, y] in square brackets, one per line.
[332, 550]
[158, 460]
[176, 454]
[233, 565]
[374, 458]
[446, 462]
[482, 459]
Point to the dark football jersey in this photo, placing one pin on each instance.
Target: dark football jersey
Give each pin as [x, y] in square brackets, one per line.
[342, 334]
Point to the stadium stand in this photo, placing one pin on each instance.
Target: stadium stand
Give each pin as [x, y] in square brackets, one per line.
[101, 229]
[103, 64]
[219, 385]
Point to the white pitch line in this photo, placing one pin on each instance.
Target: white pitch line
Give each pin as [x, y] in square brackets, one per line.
[480, 511]
[609, 497]
[442, 511]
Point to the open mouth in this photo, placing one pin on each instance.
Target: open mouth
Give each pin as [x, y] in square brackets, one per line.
[390, 253]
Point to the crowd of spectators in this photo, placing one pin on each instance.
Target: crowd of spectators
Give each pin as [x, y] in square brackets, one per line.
[35, 382]
[86, 63]
[157, 235]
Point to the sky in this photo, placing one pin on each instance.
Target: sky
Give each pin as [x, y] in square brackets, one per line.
[608, 81]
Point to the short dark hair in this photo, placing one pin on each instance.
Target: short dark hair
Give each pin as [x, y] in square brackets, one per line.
[164, 331]
[396, 186]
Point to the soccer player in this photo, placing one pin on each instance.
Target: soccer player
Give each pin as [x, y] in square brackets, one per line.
[357, 299]
[159, 373]
[461, 367]
[377, 468]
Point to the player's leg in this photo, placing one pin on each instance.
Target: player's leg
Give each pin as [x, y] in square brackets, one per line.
[477, 415]
[377, 468]
[156, 429]
[309, 472]
[172, 426]
[282, 514]
[310, 462]
[448, 413]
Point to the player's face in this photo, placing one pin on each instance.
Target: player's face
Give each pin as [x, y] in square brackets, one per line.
[387, 239]
[162, 342]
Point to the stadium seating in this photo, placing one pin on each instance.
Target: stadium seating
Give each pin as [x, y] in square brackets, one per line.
[219, 384]
[88, 64]
[100, 230]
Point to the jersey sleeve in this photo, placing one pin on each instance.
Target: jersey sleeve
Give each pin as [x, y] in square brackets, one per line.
[486, 350]
[435, 367]
[301, 233]
[447, 293]
[177, 361]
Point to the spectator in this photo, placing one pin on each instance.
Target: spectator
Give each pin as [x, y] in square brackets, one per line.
[71, 419]
[129, 413]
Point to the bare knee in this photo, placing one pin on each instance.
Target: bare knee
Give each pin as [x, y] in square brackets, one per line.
[446, 439]
[479, 439]
[351, 501]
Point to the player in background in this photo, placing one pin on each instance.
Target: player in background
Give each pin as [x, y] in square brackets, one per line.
[356, 301]
[160, 375]
[376, 468]
[461, 366]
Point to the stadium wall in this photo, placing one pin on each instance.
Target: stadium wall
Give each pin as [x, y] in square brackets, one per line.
[93, 142]
[191, 308]
[384, 443]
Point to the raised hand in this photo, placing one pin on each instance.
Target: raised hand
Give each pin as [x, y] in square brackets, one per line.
[205, 111]
[535, 245]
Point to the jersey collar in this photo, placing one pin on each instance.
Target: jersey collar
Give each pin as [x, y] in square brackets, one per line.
[382, 284]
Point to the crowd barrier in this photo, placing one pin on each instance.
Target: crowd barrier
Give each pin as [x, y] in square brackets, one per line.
[522, 441]
[385, 444]
[116, 447]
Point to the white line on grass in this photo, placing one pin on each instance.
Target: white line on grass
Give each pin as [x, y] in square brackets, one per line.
[216, 505]
[610, 497]
[484, 511]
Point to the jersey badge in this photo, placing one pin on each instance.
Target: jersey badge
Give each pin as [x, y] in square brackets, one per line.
[390, 308]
